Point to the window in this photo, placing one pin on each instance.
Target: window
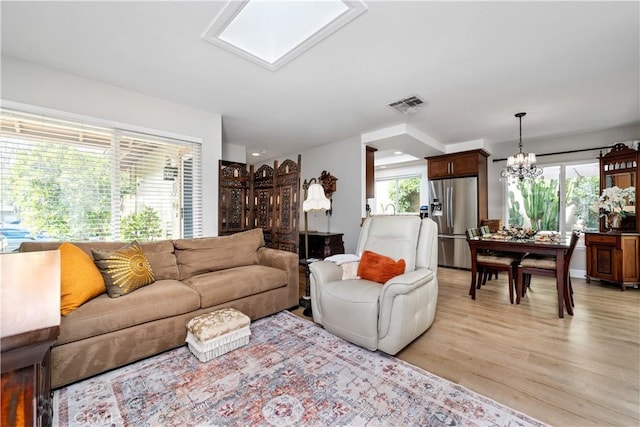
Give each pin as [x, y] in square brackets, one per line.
[398, 195]
[536, 203]
[273, 33]
[582, 188]
[63, 180]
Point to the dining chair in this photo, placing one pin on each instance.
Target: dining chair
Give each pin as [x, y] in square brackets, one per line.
[486, 262]
[544, 265]
[484, 231]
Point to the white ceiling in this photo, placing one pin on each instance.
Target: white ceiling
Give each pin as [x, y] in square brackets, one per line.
[572, 66]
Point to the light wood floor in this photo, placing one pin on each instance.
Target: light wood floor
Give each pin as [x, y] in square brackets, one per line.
[583, 370]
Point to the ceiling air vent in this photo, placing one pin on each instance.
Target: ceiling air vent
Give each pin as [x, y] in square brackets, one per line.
[408, 105]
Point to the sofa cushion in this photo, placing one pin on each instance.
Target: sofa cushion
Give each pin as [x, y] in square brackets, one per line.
[162, 299]
[162, 259]
[227, 285]
[80, 279]
[160, 254]
[124, 270]
[202, 255]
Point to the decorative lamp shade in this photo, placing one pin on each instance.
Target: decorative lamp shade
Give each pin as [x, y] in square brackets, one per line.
[316, 200]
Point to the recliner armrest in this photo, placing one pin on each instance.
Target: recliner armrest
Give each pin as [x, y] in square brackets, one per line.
[400, 285]
[325, 271]
[321, 272]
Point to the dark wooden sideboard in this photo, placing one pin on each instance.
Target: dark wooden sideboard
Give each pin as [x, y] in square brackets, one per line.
[322, 244]
[613, 257]
[26, 378]
[613, 254]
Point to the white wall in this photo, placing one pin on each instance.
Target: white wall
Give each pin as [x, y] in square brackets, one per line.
[43, 87]
[234, 153]
[344, 160]
[497, 196]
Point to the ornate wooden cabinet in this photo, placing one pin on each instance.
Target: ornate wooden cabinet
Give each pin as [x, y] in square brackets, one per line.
[621, 168]
[613, 254]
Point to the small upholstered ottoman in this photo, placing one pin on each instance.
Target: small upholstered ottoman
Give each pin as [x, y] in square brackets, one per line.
[214, 334]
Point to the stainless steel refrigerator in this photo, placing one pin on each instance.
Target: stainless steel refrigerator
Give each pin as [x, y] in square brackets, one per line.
[453, 206]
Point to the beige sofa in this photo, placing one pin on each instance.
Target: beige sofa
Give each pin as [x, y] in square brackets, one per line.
[192, 277]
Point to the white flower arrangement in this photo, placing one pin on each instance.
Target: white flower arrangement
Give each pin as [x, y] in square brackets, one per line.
[614, 200]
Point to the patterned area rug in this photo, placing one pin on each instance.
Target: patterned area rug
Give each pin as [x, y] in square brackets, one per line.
[292, 373]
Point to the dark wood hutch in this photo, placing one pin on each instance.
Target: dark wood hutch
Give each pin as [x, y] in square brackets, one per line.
[613, 254]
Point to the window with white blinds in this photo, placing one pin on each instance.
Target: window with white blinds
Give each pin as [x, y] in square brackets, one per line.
[64, 180]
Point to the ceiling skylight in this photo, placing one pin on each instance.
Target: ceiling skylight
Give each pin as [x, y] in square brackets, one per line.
[272, 33]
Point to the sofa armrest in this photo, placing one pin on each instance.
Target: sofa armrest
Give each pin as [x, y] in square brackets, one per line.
[286, 261]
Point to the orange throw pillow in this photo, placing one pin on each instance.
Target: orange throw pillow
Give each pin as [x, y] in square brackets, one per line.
[379, 268]
[80, 279]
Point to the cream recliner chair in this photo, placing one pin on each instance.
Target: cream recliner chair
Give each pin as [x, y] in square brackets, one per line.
[382, 316]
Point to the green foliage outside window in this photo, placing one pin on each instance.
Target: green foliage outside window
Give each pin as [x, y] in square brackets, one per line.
[142, 226]
[581, 194]
[50, 199]
[407, 191]
[536, 203]
[65, 193]
[515, 217]
[540, 202]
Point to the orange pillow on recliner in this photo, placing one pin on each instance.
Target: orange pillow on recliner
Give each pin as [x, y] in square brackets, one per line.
[379, 268]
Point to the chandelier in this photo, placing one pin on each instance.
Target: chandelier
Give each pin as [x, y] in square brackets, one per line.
[521, 165]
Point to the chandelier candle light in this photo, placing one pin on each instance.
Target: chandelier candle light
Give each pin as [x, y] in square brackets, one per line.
[521, 165]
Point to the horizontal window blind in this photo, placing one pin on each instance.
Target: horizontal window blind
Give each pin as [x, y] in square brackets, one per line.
[66, 180]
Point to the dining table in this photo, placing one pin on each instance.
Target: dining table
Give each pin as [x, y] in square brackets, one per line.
[557, 248]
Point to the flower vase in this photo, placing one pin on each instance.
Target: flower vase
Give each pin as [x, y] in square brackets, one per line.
[613, 221]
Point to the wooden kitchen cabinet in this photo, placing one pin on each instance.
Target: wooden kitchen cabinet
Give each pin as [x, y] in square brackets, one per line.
[613, 257]
[464, 164]
[370, 179]
[467, 163]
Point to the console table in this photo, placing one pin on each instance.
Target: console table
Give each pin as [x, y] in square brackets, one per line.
[30, 316]
[26, 385]
[322, 244]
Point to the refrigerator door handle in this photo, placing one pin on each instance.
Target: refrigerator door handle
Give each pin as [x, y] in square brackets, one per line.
[450, 206]
[446, 208]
